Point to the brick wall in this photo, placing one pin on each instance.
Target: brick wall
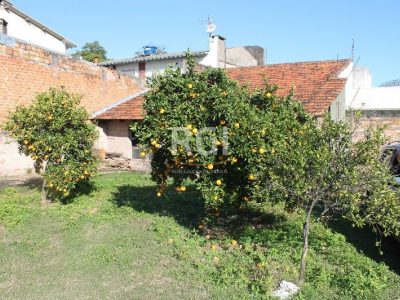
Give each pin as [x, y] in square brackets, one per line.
[388, 118]
[26, 70]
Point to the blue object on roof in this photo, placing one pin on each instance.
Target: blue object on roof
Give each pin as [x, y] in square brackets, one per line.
[149, 50]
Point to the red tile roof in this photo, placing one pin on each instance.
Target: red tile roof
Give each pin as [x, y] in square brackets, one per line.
[128, 110]
[316, 85]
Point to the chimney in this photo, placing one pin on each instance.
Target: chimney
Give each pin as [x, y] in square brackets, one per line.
[3, 26]
[216, 56]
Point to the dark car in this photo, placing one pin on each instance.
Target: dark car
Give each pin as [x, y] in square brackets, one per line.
[391, 156]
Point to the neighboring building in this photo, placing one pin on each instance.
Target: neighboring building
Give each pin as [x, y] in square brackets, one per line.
[379, 105]
[217, 56]
[17, 24]
[319, 85]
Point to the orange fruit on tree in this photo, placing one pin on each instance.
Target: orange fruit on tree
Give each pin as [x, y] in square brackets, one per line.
[210, 166]
[218, 182]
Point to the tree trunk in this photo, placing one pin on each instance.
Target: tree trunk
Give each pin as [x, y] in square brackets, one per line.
[306, 232]
[44, 199]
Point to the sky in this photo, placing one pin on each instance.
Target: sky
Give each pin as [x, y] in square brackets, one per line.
[289, 30]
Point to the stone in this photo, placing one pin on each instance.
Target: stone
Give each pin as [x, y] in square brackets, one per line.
[286, 290]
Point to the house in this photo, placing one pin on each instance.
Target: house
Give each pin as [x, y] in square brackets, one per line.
[218, 56]
[320, 86]
[16, 24]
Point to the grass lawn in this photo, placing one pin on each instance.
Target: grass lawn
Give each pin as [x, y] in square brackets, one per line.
[120, 241]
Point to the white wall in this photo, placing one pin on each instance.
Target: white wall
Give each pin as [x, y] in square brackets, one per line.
[379, 98]
[152, 67]
[11, 162]
[359, 93]
[338, 107]
[118, 138]
[23, 30]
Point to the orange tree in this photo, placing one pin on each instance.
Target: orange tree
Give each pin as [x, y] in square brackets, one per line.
[240, 146]
[56, 133]
[203, 126]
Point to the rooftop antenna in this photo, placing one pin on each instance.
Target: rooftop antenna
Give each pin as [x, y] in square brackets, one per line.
[352, 50]
[210, 28]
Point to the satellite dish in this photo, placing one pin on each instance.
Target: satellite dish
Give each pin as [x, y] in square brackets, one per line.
[211, 27]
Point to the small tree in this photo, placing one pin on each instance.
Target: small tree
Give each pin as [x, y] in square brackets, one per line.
[55, 132]
[92, 52]
[336, 175]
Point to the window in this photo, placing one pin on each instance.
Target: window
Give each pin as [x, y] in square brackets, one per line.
[3, 26]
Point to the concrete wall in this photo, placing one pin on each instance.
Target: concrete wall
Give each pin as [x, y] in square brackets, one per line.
[338, 107]
[11, 162]
[246, 56]
[118, 137]
[21, 29]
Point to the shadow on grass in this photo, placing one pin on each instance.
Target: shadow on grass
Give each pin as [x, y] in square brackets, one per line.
[82, 188]
[188, 209]
[364, 240]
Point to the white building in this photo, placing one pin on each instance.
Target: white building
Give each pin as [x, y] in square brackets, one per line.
[363, 96]
[379, 106]
[217, 56]
[17, 24]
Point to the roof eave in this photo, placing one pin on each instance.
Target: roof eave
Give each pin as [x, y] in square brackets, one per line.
[116, 103]
[147, 58]
[29, 19]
